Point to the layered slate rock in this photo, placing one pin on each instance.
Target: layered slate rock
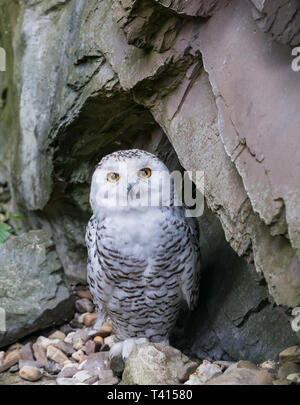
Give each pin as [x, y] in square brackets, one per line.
[32, 291]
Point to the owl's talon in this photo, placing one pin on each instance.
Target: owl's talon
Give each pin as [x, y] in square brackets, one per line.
[125, 347]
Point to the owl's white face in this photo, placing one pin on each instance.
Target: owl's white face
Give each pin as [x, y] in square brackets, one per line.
[129, 180]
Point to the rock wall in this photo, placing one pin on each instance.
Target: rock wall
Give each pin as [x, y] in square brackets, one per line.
[200, 80]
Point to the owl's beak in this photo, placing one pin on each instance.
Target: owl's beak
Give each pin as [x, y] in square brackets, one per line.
[129, 187]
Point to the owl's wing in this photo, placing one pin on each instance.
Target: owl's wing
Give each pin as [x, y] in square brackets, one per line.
[93, 264]
[190, 276]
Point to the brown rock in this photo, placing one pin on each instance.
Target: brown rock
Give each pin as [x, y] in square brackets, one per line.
[39, 353]
[58, 334]
[67, 348]
[26, 352]
[30, 373]
[246, 364]
[99, 340]
[92, 346]
[84, 294]
[56, 355]
[290, 354]
[11, 355]
[89, 319]
[106, 330]
[243, 376]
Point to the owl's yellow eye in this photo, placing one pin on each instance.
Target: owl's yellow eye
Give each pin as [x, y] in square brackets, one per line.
[113, 177]
[144, 173]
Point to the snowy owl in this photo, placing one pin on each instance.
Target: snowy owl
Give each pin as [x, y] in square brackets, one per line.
[143, 259]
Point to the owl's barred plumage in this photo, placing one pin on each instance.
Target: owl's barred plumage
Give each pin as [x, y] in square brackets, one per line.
[143, 262]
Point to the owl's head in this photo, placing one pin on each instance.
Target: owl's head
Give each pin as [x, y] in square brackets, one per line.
[129, 179]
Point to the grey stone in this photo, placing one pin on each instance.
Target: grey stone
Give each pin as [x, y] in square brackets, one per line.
[84, 305]
[154, 364]
[242, 376]
[32, 290]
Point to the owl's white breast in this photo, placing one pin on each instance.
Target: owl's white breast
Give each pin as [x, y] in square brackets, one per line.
[137, 233]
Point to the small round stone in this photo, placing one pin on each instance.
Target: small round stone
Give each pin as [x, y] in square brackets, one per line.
[30, 373]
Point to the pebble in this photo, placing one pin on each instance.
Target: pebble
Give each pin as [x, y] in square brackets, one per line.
[15, 346]
[67, 348]
[110, 341]
[80, 338]
[92, 380]
[58, 334]
[268, 365]
[80, 317]
[79, 356]
[84, 294]
[26, 352]
[295, 377]
[69, 337]
[14, 355]
[246, 364]
[95, 363]
[30, 363]
[30, 373]
[290, 354]
[52, 367]
[89, 319]
[91, 346]
[230, 368]
[66, 329]
[205, 372]
[184, 373]
[242, 376]
[39, 353]
[107, 381]
[224, 364]
[82, 376]
[10, 360]
[67, 372]
[45, 342]
[288, 367]
[56, 355]
[105, 330]
[84, 305]
[64, 381]
[99, 340]
[14, 368]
